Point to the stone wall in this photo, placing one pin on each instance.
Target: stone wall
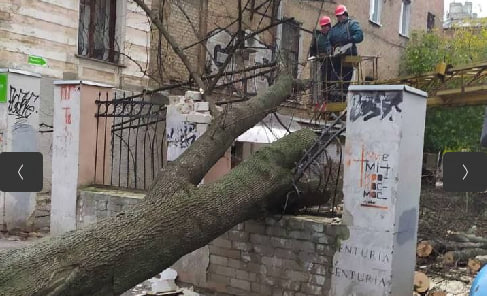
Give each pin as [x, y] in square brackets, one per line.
[97, 203]
[277, 256]
[285, 256]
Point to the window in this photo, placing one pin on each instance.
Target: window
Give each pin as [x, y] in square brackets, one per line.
[431, 21]
[97, 30]
[375, 11]
[404, 18]
[290, 44]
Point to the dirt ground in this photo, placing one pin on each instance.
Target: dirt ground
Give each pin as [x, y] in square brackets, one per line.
[442, 213]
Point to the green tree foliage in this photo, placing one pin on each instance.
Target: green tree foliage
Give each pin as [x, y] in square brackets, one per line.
[448, 128]
[453, 128]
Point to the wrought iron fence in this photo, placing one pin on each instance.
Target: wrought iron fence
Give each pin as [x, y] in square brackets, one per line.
[130, 140]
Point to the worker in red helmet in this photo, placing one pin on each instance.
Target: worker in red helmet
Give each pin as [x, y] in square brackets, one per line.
[320, 43]
[320, 47]
[343, 37]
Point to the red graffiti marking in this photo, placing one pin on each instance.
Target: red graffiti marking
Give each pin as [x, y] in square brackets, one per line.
[67, 115]
[66, 92]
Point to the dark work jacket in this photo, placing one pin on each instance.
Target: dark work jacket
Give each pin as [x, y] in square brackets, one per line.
[320, 44]
[347, 31]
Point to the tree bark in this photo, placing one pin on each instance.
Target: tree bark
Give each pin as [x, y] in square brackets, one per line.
[175, 218]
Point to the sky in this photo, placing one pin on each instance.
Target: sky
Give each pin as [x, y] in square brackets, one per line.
[479, 6]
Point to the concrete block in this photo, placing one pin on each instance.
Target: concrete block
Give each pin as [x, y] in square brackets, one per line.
[297, 276]
[276, 271]
[276, 231]
[201, 107]
[269, 280]
[238, 236]
[264, 250]
[295, 224]
[242, 246]
[309, 257]
[319, 238]
[257, 268]
[310, 289]
[218, 260]
[261, 288]
[221, 242]
[240, 284]
[255, 227]
[319, 269]
[280, 243]
[318, 280]
[216, 278]
[272, 261]
[102, 205]
[290, 285]
[276, 221]
[313, 226]
[260, 239]
[284, 253]
[291, 264]
[237, 264]
[301, 245]
[325, 250]
[242, 274]
[192, 267]
[301, 235]
[224, 252]
[192, 95]
[222, 270]
[288, 293]
[235, 291]
[277, 292]
[199, 118]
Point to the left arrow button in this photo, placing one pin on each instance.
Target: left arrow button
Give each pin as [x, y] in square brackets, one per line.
[21, 172]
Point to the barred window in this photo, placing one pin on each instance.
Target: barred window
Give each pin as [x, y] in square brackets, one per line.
[96, 33]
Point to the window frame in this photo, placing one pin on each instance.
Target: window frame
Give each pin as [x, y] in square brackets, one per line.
[405, 4]
[372, 12]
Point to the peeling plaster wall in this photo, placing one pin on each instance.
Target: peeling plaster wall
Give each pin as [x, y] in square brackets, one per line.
[19, 126]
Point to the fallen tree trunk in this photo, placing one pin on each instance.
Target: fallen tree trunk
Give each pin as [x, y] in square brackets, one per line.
[421, 282]
[430, 248]
[456, 257]
[175, 218]
[467, 237]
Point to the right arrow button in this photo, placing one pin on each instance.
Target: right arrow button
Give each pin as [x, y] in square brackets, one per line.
[465, 171]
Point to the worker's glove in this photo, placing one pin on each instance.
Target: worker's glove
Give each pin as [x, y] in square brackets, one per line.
[312, 58]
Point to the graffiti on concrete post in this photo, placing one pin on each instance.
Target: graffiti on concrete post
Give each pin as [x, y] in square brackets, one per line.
[377, 104]
[21, 103]
[182, 136]
[67, 115]
[375, 178]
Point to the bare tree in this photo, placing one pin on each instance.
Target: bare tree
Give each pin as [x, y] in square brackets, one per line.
[176, 217]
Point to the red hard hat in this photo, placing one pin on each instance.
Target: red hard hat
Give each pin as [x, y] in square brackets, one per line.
[325, 20]
[341, 9]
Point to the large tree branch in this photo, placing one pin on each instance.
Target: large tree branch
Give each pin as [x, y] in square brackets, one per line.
[175, 218]
[175, 46]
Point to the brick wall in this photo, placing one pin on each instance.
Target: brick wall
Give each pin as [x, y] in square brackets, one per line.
[285, 256]
[290, 256]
